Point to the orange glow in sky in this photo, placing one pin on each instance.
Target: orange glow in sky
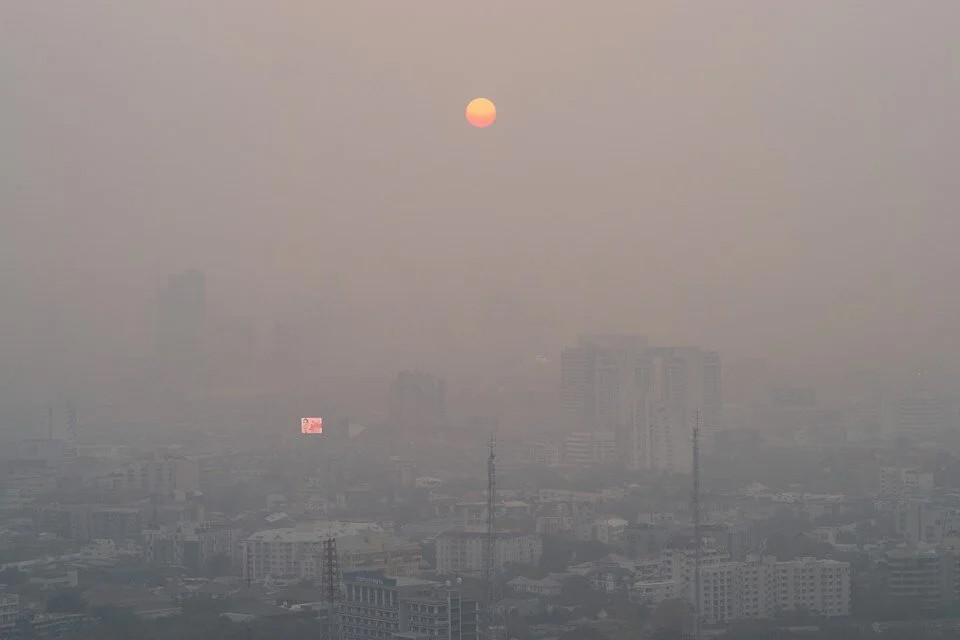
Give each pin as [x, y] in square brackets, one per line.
[481, 112]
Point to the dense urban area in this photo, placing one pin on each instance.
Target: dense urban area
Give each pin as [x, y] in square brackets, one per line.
[479, 320]
[562, 507]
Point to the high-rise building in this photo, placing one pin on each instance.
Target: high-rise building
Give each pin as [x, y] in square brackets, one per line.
[417, 400]
[181, 317]
[379, 607]
[598, 385]
[648, 395]
[587, 448]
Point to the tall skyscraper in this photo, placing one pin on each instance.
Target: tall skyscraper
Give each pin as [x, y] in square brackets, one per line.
[648, 395]
[181, 317]
[598, 388]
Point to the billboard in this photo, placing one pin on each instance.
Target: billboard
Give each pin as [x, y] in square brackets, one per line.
[311, 425]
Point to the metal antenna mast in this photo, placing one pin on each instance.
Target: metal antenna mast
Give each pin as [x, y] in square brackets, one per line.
[491, 550]
[331, 585]
[696, 528]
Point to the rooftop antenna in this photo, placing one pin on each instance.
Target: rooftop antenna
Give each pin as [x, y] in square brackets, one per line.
[696, 527]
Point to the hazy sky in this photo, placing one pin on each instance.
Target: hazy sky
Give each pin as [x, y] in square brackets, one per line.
[766, 178]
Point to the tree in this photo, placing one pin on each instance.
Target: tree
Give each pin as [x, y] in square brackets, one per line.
[12, 577]
[577, 592]
[558, 553]
[219, 565]
[672, 615]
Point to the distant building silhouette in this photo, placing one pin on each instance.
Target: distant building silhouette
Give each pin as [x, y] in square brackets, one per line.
[181, 317]
[648, 395]
[417, 400]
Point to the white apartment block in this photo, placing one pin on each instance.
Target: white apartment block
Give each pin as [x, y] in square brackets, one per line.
[465, 552]
[758, 589]
[298, 553]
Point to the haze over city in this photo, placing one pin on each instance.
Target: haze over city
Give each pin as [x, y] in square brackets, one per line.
[217, 219]
[774, 182]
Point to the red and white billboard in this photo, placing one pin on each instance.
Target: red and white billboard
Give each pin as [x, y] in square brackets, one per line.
[311, 425]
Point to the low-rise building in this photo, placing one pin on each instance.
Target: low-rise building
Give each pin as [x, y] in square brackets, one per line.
[547, 587]
[654, 592]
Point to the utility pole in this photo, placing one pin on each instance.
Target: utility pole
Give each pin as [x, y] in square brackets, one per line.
[696, 528]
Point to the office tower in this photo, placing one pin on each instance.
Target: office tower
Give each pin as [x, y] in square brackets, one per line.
[181, 317]
[648, 395]
[417, 400]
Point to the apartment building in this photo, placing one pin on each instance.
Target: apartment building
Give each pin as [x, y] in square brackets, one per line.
[378, 607]
[758, 589]
[9, 610]
[189, 544]
[159, 475]
[899, 482]
[923, 522]
[298, 553]
[465, 552]
[923, 580]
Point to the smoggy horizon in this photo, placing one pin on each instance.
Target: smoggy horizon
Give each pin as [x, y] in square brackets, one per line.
[765, 180]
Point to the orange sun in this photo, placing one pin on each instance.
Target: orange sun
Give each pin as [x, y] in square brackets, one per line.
[481, 112]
